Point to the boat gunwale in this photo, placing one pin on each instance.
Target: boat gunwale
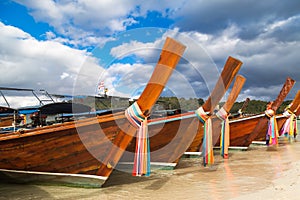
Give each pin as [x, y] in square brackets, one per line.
[62, 126]
[247, 118]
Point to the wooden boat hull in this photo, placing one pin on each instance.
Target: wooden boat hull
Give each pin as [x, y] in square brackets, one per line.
[92, 146]
[172, 134]
[49, 178]
[6, 116]
[169, 139]
[262, 134]
[71, 151]
[240, 131]
[6, 121]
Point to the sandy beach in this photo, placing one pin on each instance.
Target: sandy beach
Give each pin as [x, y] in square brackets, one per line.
[260, 172]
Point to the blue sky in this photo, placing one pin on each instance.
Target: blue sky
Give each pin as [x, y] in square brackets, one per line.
[67, 47]
[17, 15]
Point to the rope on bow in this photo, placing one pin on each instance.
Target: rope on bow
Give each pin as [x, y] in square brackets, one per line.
[272, 132]
[207, 147]
[136, 117]
[224, 141]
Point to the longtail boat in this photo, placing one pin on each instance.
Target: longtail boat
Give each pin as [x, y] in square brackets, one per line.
[11, 117]
[297, 113]
[171, 136]
[244, 130]
[241, 110]
[281, 119]
[83, 152]
[286, 122]
[220, 126]
[7, 116]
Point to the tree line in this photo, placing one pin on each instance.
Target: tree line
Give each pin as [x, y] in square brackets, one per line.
[185, 104]
[253, 107]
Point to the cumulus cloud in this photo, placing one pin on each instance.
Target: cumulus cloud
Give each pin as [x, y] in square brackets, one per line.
[29, 63]
[195, 67]
[267, 62]
[81, 23]
[89, 22]
[214, 16]
[134, 47]
[263, 35]
[284, 30]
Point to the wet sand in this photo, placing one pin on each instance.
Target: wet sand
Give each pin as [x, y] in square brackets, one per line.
[260, 172]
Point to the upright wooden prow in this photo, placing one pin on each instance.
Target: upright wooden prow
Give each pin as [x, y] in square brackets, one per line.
[289, 83]
[295, 103]
[169, 58]
[223, 115]
[245, 104]
[239, 113]
[231, 68]
[297, 113]
[236, 89]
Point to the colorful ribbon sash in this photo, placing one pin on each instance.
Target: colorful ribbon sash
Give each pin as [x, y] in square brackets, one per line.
[296, 127]
[272, 132]
[141, 165]
[289, 129]
[224, 141]
[207, 147]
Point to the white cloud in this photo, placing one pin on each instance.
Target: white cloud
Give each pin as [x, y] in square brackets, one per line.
[260, 41]
[281, 23]
[82, 19]
[64, 75]
[124, 79]
[137, 48]
[267, 60]
[85, 20]
[20, 101]
[184, 81]
[50, 35]
[29, 63]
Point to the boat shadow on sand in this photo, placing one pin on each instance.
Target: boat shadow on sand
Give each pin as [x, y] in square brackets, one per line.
[158, 178]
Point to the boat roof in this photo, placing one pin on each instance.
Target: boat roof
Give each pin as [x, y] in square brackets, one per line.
[93, 113]
[56, 108]
[63, 107]
[6, 110]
